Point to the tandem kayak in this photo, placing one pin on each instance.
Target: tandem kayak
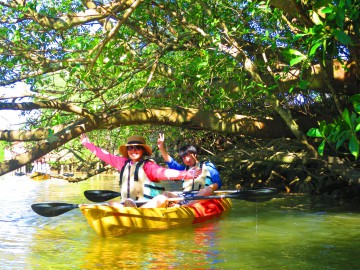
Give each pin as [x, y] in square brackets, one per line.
[109, 221]
[112, 221]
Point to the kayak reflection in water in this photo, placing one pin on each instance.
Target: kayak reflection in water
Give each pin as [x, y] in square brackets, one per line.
[139, 177]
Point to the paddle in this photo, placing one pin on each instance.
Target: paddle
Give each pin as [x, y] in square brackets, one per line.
[259, 194]
[101, 195]
[52, 209]
[253, 195]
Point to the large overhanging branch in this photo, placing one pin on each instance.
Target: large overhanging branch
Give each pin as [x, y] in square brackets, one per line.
[187, 118]
[50, 104]
[58, 139]
[220, 122]
[195, 119]
[24, 135]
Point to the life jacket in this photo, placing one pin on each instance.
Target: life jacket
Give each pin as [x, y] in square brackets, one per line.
[203, 180]
[135, 184]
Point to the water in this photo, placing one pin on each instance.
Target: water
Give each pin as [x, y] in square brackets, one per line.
[288, 232]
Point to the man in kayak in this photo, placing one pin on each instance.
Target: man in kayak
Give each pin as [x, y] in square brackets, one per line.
[139, 177]
[206, 183]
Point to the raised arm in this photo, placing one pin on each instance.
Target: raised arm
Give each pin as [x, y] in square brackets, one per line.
[161, 145]
[114, 160]
[158, 173]
[170, 161]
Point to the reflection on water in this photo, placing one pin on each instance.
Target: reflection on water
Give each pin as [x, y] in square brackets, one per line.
[294, 232]
[172, 249]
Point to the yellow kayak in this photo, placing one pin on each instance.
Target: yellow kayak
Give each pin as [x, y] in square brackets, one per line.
[40, 176]
[109, 221]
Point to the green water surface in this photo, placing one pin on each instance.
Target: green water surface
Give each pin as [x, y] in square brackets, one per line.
[288, 232]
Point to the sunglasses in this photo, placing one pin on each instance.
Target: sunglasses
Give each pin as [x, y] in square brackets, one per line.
[135, 147]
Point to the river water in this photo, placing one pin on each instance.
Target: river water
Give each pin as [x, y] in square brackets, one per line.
[288, 232]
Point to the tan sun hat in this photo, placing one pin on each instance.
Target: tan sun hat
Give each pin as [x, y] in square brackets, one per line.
[135, 140]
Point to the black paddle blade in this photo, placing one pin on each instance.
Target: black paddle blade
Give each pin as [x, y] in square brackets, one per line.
[252, 195]
[52, 209]
[100, 195]
[256, 195]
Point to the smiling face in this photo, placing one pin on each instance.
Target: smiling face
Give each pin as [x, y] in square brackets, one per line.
[189, 159]
[188, 154]
[135, 152]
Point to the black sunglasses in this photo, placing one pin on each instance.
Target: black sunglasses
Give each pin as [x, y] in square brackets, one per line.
[134, 147]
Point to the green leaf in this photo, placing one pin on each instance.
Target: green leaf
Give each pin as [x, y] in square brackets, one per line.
[293, 52]
[299, 36]
[316, 18]
[321, 148]
[50, 132]
[326, 10]
[357, 107]
[324, 52]
[314, 132]
[323, 127]
[355, 98]
[342, 37]
[342, 138]
[346, 117]
[304, 84]
[354, 146]
[334, 134]
[297, 60]
[357, 128]
[314, 48]
[340, 16]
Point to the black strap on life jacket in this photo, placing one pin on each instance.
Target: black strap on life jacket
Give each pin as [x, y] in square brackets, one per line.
[122, 170]
[128, 183]
[193, 183]
[154, 187]
[136, 177]
[136, 173]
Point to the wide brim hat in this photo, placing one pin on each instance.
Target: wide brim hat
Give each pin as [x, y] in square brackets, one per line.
[135, 140]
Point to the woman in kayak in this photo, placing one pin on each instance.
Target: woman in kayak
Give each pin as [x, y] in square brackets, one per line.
[139, 177]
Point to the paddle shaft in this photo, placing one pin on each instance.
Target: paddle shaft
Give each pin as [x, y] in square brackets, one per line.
[261, 194]
[256, 195]
[237, 196]
[105, 195]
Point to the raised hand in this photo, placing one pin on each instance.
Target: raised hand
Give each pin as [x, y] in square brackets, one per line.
[161, 141]
[84, 138]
